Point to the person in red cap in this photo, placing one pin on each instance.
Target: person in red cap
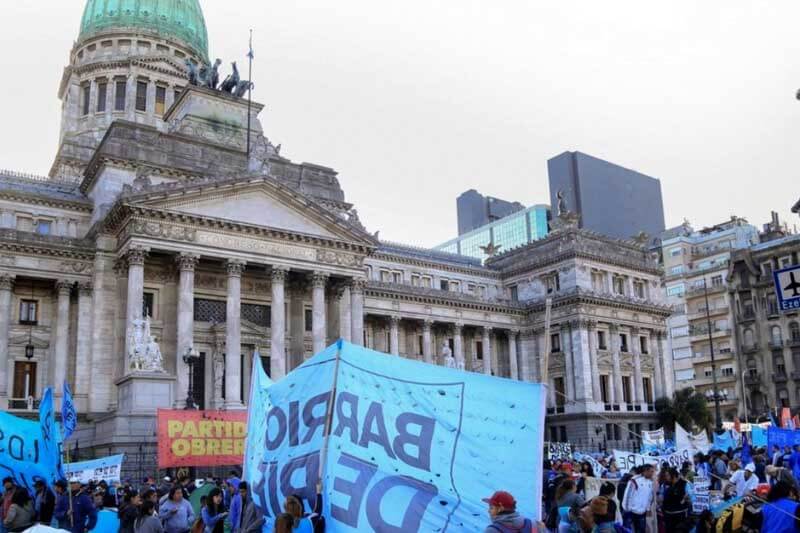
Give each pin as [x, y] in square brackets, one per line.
[504, 515]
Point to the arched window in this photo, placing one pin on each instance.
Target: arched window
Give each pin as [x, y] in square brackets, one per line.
[777, 336]
[794, 331]
[748, 338]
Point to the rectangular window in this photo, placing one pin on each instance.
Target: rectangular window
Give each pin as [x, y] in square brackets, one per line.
[43, 227]
[681, 353]
[455, 286]
[308, 318]
[623, 342]
[427, 282]
[684, 374]
[619, 285]
[385, 276]
[415, 280]
[119, 95]
[560, 391]
[727, 371]
[675, 252]
[604, 389]
[555, 342]
[676, 290]
[716, 281]
[514, 290]
[552, 283]
[161, 100]
[677, 269]
[141, 96]
[147, 304]
[638, 289]
[681, 331]
[601, 340]
[563, 433]
[786, 261]
[648, 390]
[85, 95]
[772, 305]
[397, 277]
[626, 389]
[102, 95]
[643, 345]
[766, 268]
[444, 285]
[479, 350]
[610, 431]
[28, 312]
[24, 382]
[553, 433]
[177, 93]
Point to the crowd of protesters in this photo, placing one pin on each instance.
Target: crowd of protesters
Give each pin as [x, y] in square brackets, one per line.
[149, 508]
[661, 499]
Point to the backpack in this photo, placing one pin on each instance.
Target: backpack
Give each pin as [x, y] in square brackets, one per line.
[527, 527]
[731, 519]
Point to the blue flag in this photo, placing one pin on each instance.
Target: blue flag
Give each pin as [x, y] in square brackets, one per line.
[69, 418]
[746, 455]
[51, 438]
[759, 436]
[772, 420]
[723, 441]
[411, 447]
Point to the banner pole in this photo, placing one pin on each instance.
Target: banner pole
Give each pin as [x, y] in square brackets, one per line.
[329, 415]
[69, 493]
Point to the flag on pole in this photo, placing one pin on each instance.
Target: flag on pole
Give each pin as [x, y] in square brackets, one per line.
[772, 420]
[69, 418]
[746, 455]
[250, 53]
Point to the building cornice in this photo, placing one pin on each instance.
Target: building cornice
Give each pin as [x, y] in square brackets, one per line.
[31, 243]
[583, 296]
[426, 296]
[449, 267]
[47, 201]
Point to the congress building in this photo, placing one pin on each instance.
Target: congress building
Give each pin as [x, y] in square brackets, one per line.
[158, 257]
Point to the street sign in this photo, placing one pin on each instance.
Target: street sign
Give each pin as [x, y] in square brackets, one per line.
[787, 287]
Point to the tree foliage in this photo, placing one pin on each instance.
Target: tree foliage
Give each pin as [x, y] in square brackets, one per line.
[687, 407]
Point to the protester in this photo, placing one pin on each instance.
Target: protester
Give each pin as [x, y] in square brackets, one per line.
[176, 513]
[109, 495]
[284, 523]
[638, 498]
[8, 495]
[719, 470]
[778, 473]
[604, 509]
[761, 474]
[294, 506]
[61, 511]
[779, 515]
[701, 466]
[744, 480]
[20, 515]
[252, 519]
[212, 513]
[128, 512]
[504, 515]
[44, 503]
[612, 472]
[84, 515]
[567, 505]
[148, 522]
[98, 497]
[151, 495]
[233, 502]
[677, 504]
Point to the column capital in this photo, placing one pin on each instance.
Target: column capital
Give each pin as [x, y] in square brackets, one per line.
[319, 279]
[458, 327]
[187, 262]
[512, 332]
[635, 330]
[6, 282]
[85, 288]
[427, 323]
[135, 256]
[64, 286]
[394, 320]
[235, 267]
[487, 330]
[279, 274]
[357, 285]
[613, 328]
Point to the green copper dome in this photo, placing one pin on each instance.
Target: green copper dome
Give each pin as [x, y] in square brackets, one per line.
[181, 20]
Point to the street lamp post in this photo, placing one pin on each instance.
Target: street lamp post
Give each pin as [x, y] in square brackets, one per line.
[717, 414]
[190, 358]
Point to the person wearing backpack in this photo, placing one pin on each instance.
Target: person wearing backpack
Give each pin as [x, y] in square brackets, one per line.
[504, 515]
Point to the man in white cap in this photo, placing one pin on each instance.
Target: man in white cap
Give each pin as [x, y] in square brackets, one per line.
[745, 480]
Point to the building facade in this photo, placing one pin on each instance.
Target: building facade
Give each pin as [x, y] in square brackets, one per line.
[609, 199]
[167, 218]
[475, 210]
[507, 233]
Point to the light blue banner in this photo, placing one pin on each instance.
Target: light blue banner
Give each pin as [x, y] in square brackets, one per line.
[759, 436]
[413, 447]
[107, 522]
[106, 469]
[30, 449]
[782, 437]
[723, 441]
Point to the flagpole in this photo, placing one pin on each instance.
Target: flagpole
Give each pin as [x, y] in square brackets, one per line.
[249, 94]
[69, 492]
[329, 414]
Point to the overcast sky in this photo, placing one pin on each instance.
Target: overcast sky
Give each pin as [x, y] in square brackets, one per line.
[414, 102]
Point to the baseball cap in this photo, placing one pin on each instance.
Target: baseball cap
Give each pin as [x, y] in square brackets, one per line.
[750, 467]
[501, 498]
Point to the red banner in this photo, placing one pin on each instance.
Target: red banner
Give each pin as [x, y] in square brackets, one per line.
[201, 438]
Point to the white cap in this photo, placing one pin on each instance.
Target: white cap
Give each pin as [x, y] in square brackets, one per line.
[750, 467]
[74, 480]
[167, 478]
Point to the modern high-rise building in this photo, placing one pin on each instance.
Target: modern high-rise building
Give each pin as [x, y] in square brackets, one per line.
[512, 231]
[696, 283]
[609, 199]
[476, 210]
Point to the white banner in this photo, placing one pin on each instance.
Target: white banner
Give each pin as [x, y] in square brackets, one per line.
[701, 494]
[106, 469]
[698, 442]
[628, 460]
[558, 450]
[653, 440]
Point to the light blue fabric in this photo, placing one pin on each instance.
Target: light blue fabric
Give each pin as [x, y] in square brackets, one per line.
[107, 522]
[723, 441]
[758, 436]
[104, 469]
[69, 418]
[413, 446]
[30, 448]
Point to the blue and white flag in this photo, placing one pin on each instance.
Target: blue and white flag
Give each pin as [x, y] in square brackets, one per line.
[412, 446]
[69, 418]
[106, 469]
[29, 449]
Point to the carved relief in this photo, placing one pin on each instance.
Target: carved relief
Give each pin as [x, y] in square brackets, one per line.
[164, 231]
[338, 258]
[76, 267]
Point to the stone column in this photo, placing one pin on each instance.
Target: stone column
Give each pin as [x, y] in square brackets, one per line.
[135, 259]
[357, 311]
[6, 297]
[186, 265]
[83, 345]
[394, 335]
[592, 332]
[617, 378]
[58, 369]
[666, 362]
[318, 328]
[512, 353]
[233, 336]
[582, 360]
[277, 359]
[487, 350]
[527, 355]
[345, 321]
[638, 386]
[458, 345]
[427, 341]
[569, 367]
